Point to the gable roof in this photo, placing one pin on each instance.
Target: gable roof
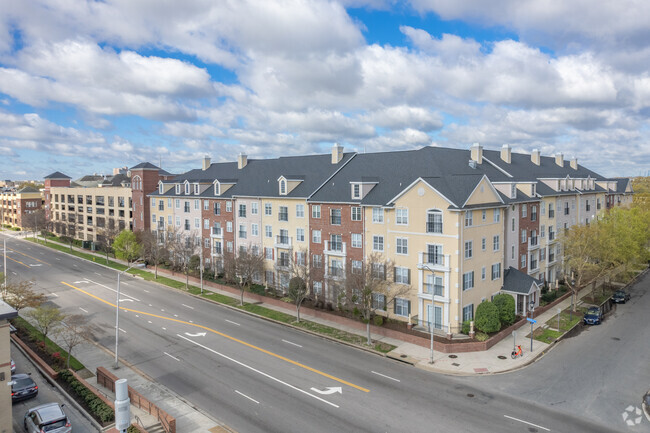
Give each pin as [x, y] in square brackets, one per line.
[57, 175]
[27, 189]
[515, 281]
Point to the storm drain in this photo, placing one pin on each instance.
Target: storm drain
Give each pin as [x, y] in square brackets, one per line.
[616, 339]
[502, 357]
[455, 364]
[453, 356]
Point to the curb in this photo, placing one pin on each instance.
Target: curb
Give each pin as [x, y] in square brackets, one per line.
[69, 399]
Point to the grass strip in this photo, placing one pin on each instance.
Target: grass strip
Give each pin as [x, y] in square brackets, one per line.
[547, 335]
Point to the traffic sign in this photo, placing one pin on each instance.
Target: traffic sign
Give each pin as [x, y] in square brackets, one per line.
[531, 320]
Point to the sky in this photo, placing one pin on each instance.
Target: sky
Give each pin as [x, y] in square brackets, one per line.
[86, 86]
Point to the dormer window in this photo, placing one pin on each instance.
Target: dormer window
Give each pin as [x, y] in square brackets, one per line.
[217, 188]
[160, 188]
[513, 191]
[356, 191]
[178, 188]
[534, 190]
[187, 188]
[196, 189]
[283, 187]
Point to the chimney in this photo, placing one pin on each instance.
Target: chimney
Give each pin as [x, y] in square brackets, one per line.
[242, 160]
[337, 153]
[535, 157]
[477, 153]
[574, 163]
[506, 153]
[206, 162]
[559, 159]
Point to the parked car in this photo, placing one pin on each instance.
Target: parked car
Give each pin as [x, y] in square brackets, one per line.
[13, 367]
[620, 297]
[48, 418]
[22, 387]
[593, 316]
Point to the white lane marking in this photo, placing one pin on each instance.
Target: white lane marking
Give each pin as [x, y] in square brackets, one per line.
[54, 294]
[164, 329]
[147, 291]
[97, 273]
[175, 315]
[191, 321]
[383, 375]
[126, 300]
[234, 323]
[35, 265]
[162, 309]
[85, 311]
[42, 254]
[191, 308]
[81, 282]
[14, 273]
[526, 422]
[137, 315]
[124, 282]
[172, 357]
[150, 305]
[244, 395]
[329, 390]
[57, 258]
[149, 321]
[289, 342]
[258, 371]
[122, 330]
[112, 289]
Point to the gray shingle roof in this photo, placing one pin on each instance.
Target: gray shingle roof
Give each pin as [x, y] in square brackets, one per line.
[27, 189]
[515, 281]
[145, 165]
[57, 175]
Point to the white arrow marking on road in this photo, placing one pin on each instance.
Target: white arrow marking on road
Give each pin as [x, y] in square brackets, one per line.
[126, 300]
[80, 282]
[329, 390]
[54, 294]
[97, 273]
[124, 282]
[200, 334]
[122, 330]
[57, 258]
[14, 273]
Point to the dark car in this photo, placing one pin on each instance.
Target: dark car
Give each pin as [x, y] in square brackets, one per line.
[620, 297]
[593, 316]
[47, 418]
[22, 387]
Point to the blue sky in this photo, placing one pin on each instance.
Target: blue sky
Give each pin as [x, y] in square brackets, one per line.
[86, 86]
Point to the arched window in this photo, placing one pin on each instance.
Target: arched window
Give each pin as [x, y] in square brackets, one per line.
[187, 187]
[137, 183]
[217, 189]
[434, 221]
[160, 188]
[283, 187]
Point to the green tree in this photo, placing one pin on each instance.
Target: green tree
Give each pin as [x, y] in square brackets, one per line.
[487, 317]
[126, 246]
[20, 295]
[297, 293]
[506, 305]
[74, 332]
[46, 319]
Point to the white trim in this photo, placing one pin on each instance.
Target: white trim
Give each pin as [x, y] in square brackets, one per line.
[405, 190]
[497, 167]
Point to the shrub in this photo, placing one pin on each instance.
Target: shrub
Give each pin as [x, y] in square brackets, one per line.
[378, 320]
[549, 297]
[481, 336]
[95, 404]
[506, 306]
[487, 317]
[465, 328]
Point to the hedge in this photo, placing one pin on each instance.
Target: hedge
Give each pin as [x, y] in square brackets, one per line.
[487, 317]
[103, 411]
[506, 305]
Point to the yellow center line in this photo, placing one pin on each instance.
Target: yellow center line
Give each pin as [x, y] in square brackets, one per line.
[27, 255]
[275, 355]
[18, 261]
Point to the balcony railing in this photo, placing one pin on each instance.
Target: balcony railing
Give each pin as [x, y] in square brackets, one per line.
[439, 262]
[438, 289]
[335, 248]
[533, 242]
[283, 241]
[551, 213]
[432, 259]
[335, 271]
[433, 227]
[283, 262]
[216, 232]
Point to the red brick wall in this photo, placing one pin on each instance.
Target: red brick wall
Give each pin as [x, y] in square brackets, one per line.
[526, 223]
[142, 203]
[49, 183]
[221, 219]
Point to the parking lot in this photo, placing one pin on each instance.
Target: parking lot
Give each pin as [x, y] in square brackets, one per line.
[46, 393]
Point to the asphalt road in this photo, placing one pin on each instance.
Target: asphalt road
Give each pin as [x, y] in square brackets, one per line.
[257, 376]
[46, 394]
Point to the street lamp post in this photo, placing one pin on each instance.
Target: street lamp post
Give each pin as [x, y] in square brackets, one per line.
[432, 311]
[117, 309]
[532, 313]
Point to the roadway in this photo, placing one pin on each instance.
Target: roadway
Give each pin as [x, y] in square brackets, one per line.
[257, 376]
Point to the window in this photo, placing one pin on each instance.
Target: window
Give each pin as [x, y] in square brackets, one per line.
[377, 215]
[496, 241]
[566, 208]
[268, 209]
[186, 206]
[300, 258]
[357, 240]
[169, 220]
[335, 216]
[315, 211]
[206, 243]
[268, 253]
[229, 226]
[542, 208]
[542, 254]
[187, 188]
[434, 221]
[468, 312]
[255, 230]
[523, 261]
[483, 273]
[496, 271]
[300, 211]
[357, 267]
[402, 307]
[483, 244]
[178, 189]
[283, 187]
[300, 235]
[542, 231]
[402, 216]
[242, 231]
[469, 245]
[468, 280]
[336, 268]
[283, 238]
[197, 223]
[268, 276]
[551, 211]
[206, 205]
[268, 231]
[356, 191]
[336, 243]
[356, 214]
[469, 218]
[318, 288]
[378, 271]
[283, 213]
[434, 254]
[217, 208]
[187, 224]
[197, 204]
[497, 215]
[533, 213]
[513, 191]
[402, 275]
[378, 243]
[315, 236]
[484, 215]
[523, 236]
[512, 228]
[524, 210]
[177, 204]
[178, 221]
[317, 260]
[378, 301]
[402, 246]
[228, 206]
[242, 211]
[512, 253]
[206, 223]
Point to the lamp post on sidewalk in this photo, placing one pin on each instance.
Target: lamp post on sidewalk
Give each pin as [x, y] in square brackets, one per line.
[117, 309]
[432, 309]
[532, 313]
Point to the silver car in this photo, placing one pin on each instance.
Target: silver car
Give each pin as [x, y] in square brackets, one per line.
[47, 417]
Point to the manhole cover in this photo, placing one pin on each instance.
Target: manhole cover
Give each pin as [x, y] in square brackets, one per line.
[502, 357]
[453, 356]
[532, 430]
[455, 364]
[470, 395]
[402, 356]
[616, 339]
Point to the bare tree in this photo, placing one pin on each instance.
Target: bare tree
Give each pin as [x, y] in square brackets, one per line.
[46, 319]
[20, 295]
[154, 250]
[34, 221]
[301, 280]
[373, 286]
[74, 332]
[185, 249]
[250, 264]
[107, 236]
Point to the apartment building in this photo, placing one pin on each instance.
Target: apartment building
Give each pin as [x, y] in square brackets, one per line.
[144, 180]
[85, 207]
[16, 205]
[450, 221]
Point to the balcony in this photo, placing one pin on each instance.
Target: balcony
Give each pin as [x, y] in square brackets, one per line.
[282, 262]
[551, 237]
[438, 289]
[216, 232]
[534, 266]
[437, 262]
[283, 242]
[335, 248]
[335, 271]
[533, 243]
[160, 226]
